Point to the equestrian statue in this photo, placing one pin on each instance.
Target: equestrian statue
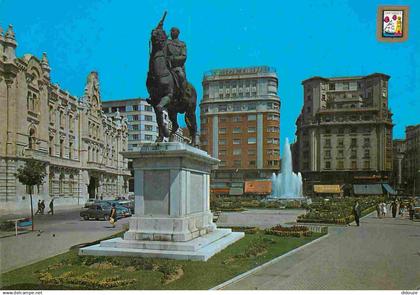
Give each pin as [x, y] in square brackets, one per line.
[167, 83]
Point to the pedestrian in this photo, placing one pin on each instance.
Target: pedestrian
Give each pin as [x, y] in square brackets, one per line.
[378, 210]
[357, 212]
[394, 206]
[411, 210]
[38, 211]
[401, 209]
[383, 209]
[113, 215]
[42, 207]
[51, 207]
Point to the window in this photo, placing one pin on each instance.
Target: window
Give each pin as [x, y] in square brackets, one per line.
[252, 140]
[252, 107]
[366, 142]
[148, 127]
[353, 142]
[129, 108]
[353, 165]
[331, 86]
[237, 130]
[237, 119]
[236, 152]
[340, 142]
[251, 163]
[273, 117]
[327, 154]
[237, 163]
[341, 131]
[135, 127]
[135, 117]
[353, 154]
[273, 141]
[236, 141]
[252, 129]
[61, 148]
[51, 146]
[135, 107]
[251, 152]
[148, 108]
[340, 165]
[366, 154]
[328, 165]
[366, 165]
[222, 131]
[272, 129]
[222, 141]
[236, 107]
[130, 118]
[222, 153]
[135, 137]
[222, 164]
[252, 117]
[148, 137]
[327, 142]
[148, 118]
[346, 86]
[70, 150]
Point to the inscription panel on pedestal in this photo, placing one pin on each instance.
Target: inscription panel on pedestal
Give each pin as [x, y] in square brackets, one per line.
[196, 198]
[156, 192]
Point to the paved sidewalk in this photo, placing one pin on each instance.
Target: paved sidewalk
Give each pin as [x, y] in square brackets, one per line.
[58, 233]
[381, 254]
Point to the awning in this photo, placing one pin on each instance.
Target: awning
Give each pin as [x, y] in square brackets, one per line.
[327, 188]
[258, 187]
[236, 191]
[367, 189]
[389, 189]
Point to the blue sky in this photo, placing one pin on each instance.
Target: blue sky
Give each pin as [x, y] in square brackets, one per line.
[299, 38]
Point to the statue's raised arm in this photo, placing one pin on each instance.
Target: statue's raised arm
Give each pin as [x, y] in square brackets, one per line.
[160, 25]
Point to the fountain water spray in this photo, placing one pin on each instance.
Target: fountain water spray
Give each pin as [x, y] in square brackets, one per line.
[287, 184]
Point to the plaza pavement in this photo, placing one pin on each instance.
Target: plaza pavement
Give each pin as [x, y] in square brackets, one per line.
[58, 234]
[381, 254]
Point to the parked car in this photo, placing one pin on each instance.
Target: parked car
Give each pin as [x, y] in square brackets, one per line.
[127, 204]
[89, 203]
[96, 211]
[121, 210]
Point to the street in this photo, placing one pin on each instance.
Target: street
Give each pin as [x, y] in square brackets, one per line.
[54, 234]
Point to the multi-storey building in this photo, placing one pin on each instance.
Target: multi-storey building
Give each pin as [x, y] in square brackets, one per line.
[412, 159]
[398, 168]
[78, 143]
[240, 123]
[344, 131]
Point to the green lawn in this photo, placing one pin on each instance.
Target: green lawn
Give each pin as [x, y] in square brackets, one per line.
[70, 271]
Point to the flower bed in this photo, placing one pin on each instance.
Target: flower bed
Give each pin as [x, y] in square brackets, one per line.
[293, 231]
[337, 210]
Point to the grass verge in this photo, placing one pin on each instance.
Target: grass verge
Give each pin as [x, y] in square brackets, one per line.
[70, 271]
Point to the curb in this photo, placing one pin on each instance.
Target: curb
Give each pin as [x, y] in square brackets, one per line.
[251, 271]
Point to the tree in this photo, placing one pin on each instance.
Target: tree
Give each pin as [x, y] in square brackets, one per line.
[33, 173]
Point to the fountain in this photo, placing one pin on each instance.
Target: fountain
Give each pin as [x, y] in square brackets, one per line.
[287, 184]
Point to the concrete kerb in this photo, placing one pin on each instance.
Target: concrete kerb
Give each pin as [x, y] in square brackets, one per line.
[248, 273]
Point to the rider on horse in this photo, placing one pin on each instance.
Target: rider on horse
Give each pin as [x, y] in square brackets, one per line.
[176, 54]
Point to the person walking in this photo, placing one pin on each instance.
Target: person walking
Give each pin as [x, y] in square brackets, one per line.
[384, 211]
[378, 210]
[394, 206]
[357, 212]
[38, 211]
[42, 207]
[51, 207]
[411, 210]
[113, 215]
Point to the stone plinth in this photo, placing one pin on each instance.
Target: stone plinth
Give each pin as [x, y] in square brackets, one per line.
[172, 207]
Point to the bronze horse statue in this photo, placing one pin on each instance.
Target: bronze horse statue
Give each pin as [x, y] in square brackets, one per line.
[165, 93]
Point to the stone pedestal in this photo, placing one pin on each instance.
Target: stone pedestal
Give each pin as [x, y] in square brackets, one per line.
[172, 207]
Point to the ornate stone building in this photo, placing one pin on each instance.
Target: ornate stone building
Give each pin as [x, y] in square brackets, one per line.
[344, 131]
[79, 143]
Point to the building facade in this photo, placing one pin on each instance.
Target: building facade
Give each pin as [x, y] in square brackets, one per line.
[412, 159]
[344, 131]
[78, 143]
[398, 168]
[240, 123]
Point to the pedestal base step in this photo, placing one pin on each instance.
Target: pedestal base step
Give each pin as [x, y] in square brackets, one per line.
[199, 249]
